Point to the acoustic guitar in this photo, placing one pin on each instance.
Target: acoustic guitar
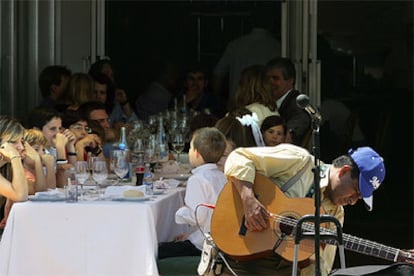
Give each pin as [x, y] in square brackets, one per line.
[231, 236]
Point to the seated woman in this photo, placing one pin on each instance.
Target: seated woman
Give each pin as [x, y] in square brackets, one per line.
[80, 90]
[13, 183]
[274, 130]
[255, 93]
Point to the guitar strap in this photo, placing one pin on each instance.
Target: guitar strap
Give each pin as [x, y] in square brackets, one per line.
[323, 170]
[296, 177]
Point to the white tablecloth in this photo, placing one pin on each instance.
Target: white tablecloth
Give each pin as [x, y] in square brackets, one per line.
[88, 238]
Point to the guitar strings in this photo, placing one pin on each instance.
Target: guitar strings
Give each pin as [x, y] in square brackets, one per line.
[308, 227]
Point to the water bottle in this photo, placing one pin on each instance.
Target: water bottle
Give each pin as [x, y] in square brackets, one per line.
[140, 169]
[162, 139]
[148, 180]
[123, 145]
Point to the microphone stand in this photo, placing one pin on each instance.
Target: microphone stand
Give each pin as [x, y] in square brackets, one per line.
[317, 218]
[316, 150]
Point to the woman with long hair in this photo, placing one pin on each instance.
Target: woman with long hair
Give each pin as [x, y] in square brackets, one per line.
[13, 184]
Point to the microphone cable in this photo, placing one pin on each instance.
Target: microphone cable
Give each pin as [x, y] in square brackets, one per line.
[209, 238]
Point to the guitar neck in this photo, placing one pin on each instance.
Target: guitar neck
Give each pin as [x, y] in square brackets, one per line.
[372, 248]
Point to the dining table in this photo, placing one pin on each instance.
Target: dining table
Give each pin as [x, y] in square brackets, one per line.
[89, 237]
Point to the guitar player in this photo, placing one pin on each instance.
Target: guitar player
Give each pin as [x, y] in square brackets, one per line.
[349, 178]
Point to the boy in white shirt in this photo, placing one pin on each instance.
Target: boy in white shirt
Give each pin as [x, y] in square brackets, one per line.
[206, 148]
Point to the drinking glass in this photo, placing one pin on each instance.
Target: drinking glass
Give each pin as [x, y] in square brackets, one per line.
[177, 143]
[99, 174]
[81, 172]
[90, 161]
[150, 155]
[138, 146]
[119, 163]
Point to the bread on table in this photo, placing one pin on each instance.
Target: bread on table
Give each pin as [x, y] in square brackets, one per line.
[133, 193]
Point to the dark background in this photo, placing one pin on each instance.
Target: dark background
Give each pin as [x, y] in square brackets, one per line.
[140, 35]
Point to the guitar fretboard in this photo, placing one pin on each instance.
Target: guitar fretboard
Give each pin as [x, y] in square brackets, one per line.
[352, 243]
[368, 247]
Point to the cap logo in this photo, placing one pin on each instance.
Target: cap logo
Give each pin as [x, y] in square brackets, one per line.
[375, 182]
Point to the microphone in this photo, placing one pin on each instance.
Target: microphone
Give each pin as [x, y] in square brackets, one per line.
[303, 102]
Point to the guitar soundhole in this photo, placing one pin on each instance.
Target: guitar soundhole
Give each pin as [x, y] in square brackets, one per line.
[285, 226]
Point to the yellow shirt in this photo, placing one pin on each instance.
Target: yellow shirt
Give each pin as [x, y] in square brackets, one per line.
[280, 163]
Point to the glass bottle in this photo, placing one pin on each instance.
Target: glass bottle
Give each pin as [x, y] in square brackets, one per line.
[162, 139]
[140, 169]
[148, 180]
[123, 145]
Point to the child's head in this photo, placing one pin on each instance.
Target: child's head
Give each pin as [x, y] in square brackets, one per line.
[36, 139]
[207, 146]
[273, 130]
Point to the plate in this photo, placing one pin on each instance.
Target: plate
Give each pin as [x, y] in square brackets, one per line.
[158, 192]
[142, 198]
[178, 176]
[49, 199]
[108, 182]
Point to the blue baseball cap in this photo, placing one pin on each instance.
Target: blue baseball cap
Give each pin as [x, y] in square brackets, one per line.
[371, 171]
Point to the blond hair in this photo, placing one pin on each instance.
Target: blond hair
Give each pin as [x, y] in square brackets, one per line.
[80, 89]
[255, 87]
[34, 137]
[10, 129]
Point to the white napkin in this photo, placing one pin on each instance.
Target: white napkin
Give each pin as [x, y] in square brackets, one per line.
[55, 193]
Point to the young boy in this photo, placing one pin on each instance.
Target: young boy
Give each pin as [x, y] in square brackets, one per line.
[206, 148]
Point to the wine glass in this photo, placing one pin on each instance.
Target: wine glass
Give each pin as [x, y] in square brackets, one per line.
[89, 163]
[139, 146]
[81, 172]
[99, 174]
[150, 149]
[119, 163]
[177, 143]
